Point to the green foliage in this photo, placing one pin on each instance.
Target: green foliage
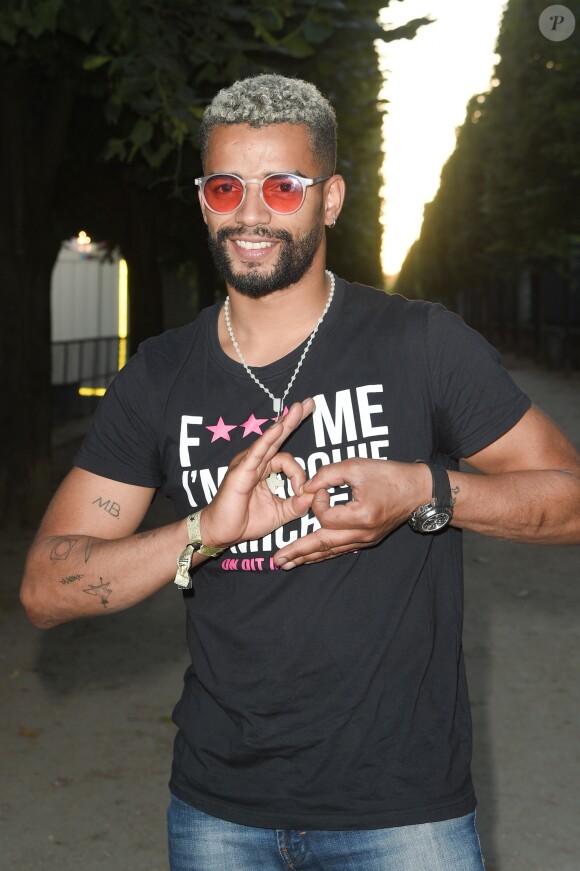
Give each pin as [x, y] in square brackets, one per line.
[533, 127]
[155, 63]
[148, 68]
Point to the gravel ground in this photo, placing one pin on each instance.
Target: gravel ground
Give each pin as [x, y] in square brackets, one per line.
[86, 734]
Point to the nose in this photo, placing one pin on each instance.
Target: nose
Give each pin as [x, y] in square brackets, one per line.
[253, 210]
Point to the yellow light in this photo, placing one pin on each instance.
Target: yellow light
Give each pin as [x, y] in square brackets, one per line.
[123, 299]
[122, 353]
[123, 311]
[83, 239]
[92, 391]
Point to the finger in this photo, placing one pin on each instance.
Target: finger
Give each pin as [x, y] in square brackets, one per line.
[349, 516]
[267, 445]
[300, 502]
[352, 515]
[293, 508]
[332, 475]
[285, 462]
[321, 502]
[300, 505]
[320, 545]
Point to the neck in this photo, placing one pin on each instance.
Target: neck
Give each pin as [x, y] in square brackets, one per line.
[272, 326]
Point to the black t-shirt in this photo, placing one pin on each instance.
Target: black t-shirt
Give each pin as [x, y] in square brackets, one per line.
[332, 696]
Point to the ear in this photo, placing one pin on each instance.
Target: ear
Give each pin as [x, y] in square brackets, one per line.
[334, 192]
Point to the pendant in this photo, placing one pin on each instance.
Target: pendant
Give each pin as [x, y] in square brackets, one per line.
[274, 482]
[277, 403]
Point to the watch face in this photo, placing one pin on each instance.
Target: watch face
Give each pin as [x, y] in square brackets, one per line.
[435, 521]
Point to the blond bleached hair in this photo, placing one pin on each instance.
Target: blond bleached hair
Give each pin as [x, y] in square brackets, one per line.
[260, 101]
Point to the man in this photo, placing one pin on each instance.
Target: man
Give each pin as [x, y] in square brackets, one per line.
[324, 722]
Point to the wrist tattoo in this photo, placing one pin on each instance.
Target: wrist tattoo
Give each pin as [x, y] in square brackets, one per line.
[454, 492]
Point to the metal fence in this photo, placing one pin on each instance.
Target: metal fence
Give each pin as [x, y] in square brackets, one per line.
[536, 316]
[81, 363]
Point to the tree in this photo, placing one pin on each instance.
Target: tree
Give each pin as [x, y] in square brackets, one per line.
[125, 83]
[509, 196]
[533, 128]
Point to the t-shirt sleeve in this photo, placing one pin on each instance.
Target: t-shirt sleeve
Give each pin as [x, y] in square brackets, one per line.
[476, 400]
[122, 443]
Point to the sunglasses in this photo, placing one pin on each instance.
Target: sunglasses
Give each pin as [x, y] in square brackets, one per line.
[282, 192]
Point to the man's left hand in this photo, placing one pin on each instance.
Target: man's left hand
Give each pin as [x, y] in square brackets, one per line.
[384, 493]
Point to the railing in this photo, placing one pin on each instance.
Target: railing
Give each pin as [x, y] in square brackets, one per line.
[81, 363]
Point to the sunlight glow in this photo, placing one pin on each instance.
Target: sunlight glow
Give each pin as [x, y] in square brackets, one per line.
[429, 81]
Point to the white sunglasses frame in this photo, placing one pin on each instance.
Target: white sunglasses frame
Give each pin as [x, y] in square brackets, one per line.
[305, 183]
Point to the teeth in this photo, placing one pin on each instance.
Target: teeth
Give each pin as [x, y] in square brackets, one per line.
[251, 245]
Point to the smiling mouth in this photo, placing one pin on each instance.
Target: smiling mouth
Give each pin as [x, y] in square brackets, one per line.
[253, 246]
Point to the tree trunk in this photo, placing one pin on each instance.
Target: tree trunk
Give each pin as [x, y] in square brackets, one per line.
[34, 115]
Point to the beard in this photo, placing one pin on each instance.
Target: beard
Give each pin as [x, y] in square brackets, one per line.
[296, 256]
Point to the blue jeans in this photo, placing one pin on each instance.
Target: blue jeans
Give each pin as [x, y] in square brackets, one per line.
[198, 842]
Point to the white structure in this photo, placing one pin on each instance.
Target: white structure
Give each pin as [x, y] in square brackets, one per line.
[89, 317]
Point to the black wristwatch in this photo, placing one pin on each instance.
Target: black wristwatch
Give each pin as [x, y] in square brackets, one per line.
[437, 513]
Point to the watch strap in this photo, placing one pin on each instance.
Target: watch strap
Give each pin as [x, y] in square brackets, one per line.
[437, 513]
[441, 492]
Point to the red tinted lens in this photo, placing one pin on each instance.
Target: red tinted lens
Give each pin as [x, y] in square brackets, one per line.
[223, 193]
[282, 193]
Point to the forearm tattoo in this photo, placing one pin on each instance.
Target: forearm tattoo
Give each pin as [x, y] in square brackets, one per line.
[102, 591]
[62, 548]
[71, 579]
[454, 492]
[88, 548]
[148, 533]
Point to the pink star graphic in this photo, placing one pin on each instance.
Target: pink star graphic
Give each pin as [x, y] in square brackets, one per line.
[253, 424]
[284, 413]
[221, 430]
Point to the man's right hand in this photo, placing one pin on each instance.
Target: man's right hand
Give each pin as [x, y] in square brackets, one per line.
[244, 508]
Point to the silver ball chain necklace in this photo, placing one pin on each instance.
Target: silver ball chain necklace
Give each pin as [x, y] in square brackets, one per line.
[278, 402]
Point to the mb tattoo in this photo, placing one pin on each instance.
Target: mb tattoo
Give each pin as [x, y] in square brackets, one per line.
[112, 508]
